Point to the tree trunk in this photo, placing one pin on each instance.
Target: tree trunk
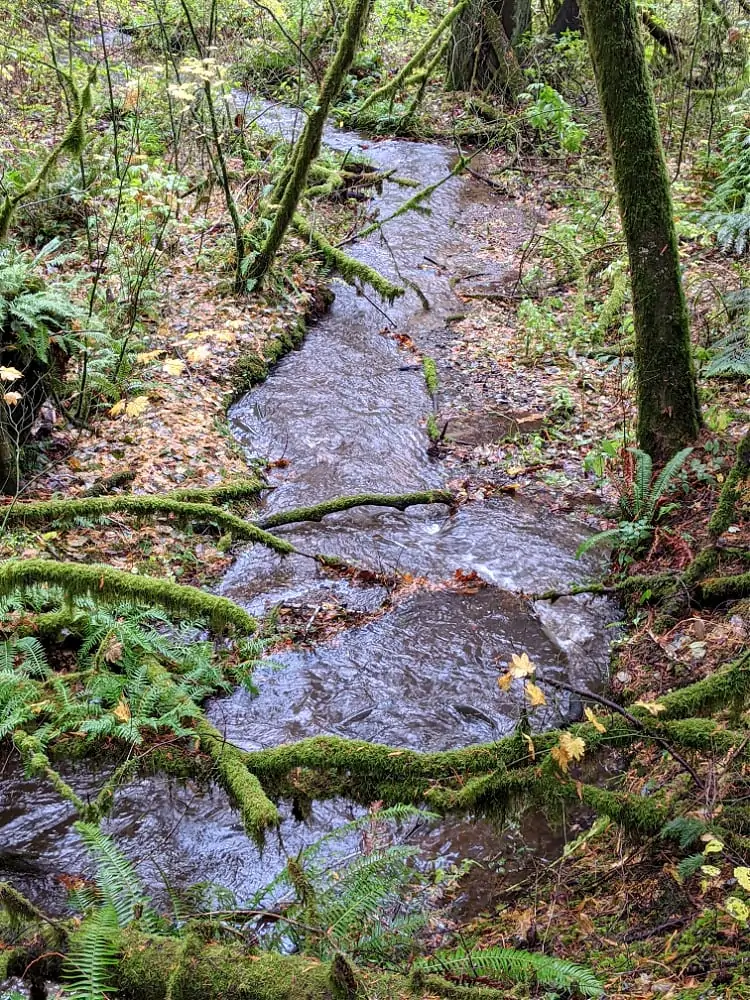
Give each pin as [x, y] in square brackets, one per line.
[481, 55]
[568, 18]
[668, 409]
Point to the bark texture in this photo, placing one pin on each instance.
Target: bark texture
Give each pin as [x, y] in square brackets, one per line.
[568, 18]
[481, 55]
[668, 410]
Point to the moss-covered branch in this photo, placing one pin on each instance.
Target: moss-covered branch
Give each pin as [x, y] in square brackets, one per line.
[62, 511]
[417, 60]
[351, 270]
[229, 492]
[731, 491]
[110, 584]
[321, 510]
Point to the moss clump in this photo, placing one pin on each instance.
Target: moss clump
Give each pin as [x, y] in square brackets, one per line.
[108, 584]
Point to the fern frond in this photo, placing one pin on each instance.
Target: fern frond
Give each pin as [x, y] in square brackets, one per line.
[517, 967]
[93, 954]
[116, 878]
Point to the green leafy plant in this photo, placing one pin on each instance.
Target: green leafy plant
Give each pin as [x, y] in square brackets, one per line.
[641, 504]
[551, 116]
[727, 212]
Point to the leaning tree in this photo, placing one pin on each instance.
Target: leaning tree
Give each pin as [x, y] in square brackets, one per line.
[667, 395]
[484, 44]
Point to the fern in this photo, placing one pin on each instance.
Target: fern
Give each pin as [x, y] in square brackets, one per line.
[732, 354]
[684, 829]
[689, 866]
[93, 956]
[516, 967]
[117, 879]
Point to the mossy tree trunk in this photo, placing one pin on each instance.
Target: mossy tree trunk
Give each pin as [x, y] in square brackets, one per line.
[667, 396]
[290, 187]
[568, 18]
[481, 55]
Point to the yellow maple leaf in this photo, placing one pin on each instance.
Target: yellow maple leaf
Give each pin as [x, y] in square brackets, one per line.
[535, 695]
[568, 748]
[136, 406]
[594, 721]
[199, 354]
[122, 711]
[521, 666]
[9, 374]
[11, 397]
[743, 877]
[652, 707]
[174, 366]
[147, 356]
[504, 681]
[116, 410]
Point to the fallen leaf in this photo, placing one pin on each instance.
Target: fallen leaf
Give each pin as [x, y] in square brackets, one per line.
[9, 374]
[737, 909]
[653, 707]
[117, 409]
[743, 877]
[122, 711]
[521, 666]
[174, 366]
[535, 695]
[11, 397]
[136, 406]
[199, 354]
[594, 720]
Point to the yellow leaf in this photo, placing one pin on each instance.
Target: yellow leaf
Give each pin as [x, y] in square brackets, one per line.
[147, 356]
[530, 745]
[9, 374]
[594, 721]
[122, 711]
[737, 909]
[521, 666]
[535, 695]
[653, 707]
[137, 406]
[11, 397]
[713, 846]
[711, 870]
[199, 354]
[174, 366]
[743, 877]
[116, 410]
[568, 748]
[504, 682]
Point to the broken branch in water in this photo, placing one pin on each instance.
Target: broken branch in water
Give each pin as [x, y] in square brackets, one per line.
[319, 511]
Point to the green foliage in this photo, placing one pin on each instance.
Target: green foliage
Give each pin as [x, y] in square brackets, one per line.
[371, 908]
[727, 212]
[684, 829]
[640, 504]
[551, 116]
[515, 967]
[90, 963]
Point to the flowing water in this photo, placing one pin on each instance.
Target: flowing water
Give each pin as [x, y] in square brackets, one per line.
[346, 414]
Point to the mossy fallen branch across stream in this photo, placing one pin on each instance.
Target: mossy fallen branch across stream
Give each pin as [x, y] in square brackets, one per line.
[321, 510]
[109, 584]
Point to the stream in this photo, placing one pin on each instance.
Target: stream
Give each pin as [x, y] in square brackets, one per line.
[346, 414]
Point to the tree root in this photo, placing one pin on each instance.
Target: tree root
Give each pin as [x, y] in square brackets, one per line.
[114, 585]
[318, 512]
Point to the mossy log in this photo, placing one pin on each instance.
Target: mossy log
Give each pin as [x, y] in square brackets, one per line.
[351, 270]
[321, 510]
[142, 505]
[195, 967]
[110, 585]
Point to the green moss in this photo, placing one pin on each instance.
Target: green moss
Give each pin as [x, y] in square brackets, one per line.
[429, 370]
[108, 584]
[351, 270]
[668, 409]
[399, 501]
[65, 511]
